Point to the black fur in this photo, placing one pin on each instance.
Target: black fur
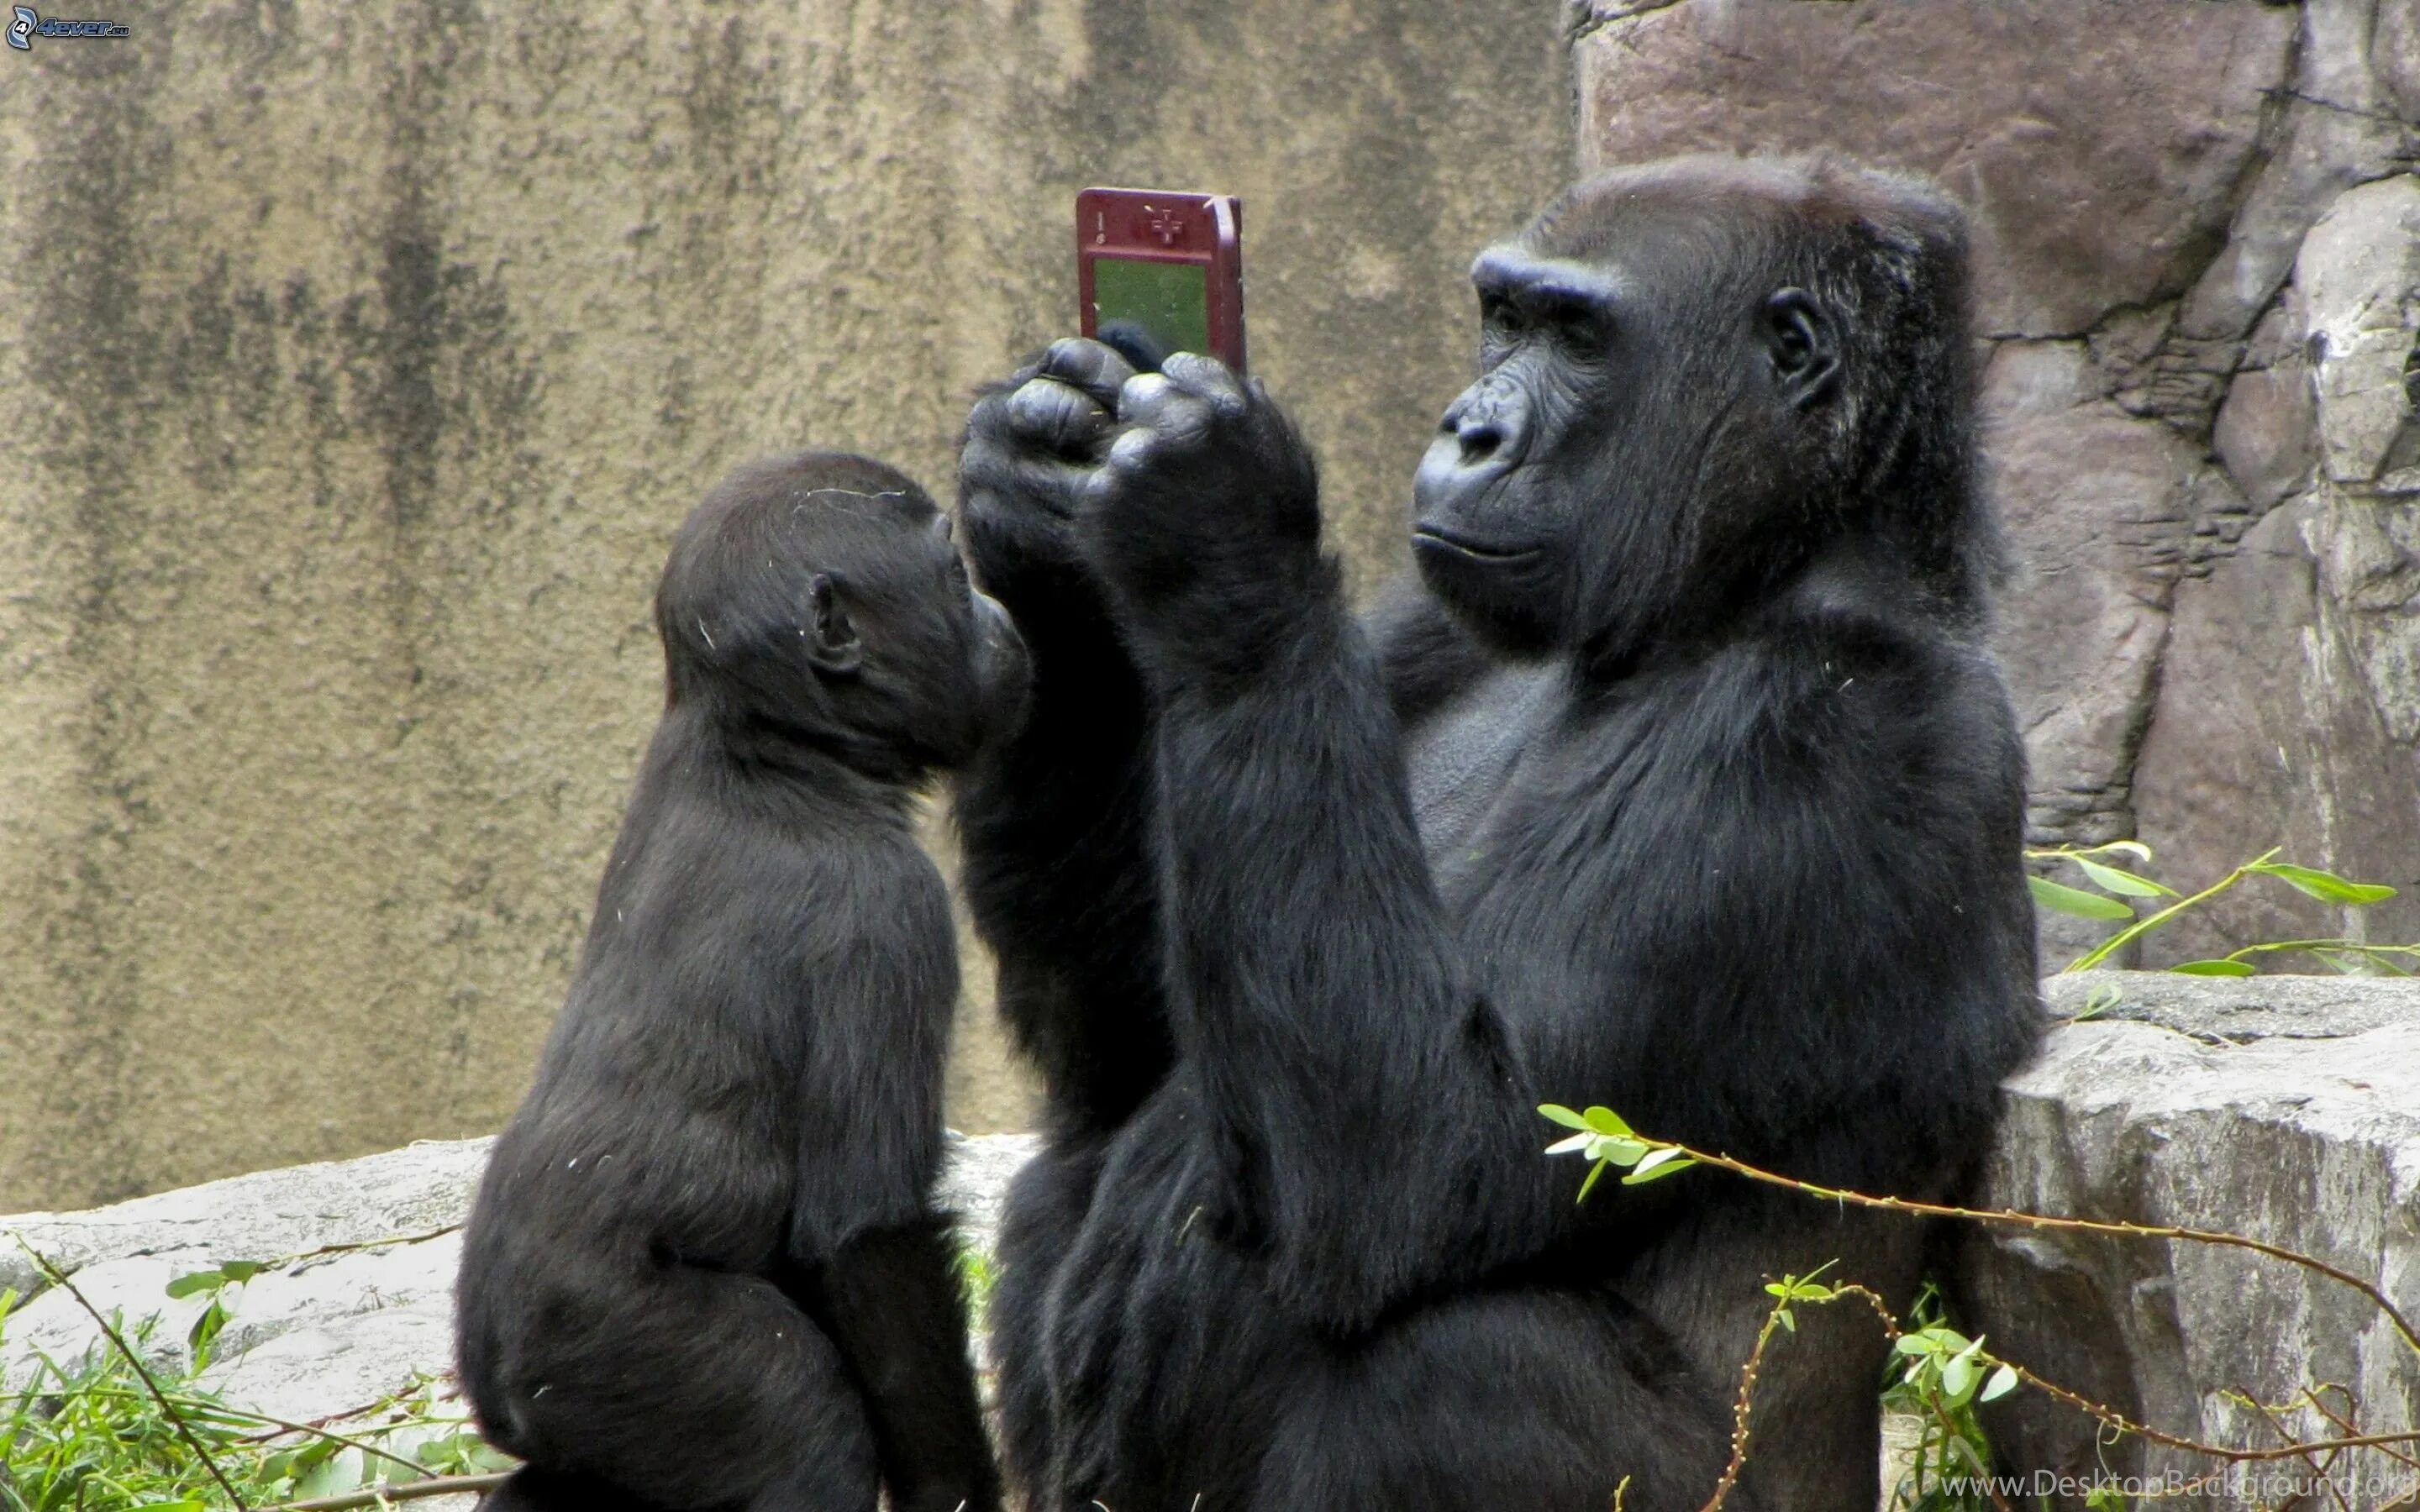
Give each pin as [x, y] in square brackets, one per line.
[705, 1270]
[1683, 782]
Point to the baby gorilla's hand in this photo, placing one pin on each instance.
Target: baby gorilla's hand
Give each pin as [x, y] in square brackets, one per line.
[1203, 518]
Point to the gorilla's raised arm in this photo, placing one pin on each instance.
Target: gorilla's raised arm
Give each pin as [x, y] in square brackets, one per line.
[1363, 1111]
[1055, 820]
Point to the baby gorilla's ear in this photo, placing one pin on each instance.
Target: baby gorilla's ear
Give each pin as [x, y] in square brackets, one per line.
[832, 641]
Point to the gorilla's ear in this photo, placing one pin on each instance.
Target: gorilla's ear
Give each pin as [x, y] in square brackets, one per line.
[1803, 345]
[832, 645]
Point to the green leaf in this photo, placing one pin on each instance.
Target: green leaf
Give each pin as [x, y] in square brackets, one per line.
[2003, 1382]
[1605, 1122]
[1912, 1344]
[343, 1471]
[1786, 1321]
[2214, 968]
[1594, 1171]
[1623, 1152]
[1561, 1114]
[2110, 879]
[1958, 1379]
[1655, 1169]
[205, 1328]
[1572, 1146]
[2326, 886]
[242, 1270]
[1966, 1451]
[197, 1281]
[2066, 899]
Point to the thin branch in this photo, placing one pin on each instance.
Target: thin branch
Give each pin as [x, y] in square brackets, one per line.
[1742, 1403]
[389, 1242]
[2012, 1217]
[2151, 921]
[393, 1398]
[176, 1419]
[409, 1490]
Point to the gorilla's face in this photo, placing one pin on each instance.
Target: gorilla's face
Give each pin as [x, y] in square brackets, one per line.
[1640, 412]
[816, 600]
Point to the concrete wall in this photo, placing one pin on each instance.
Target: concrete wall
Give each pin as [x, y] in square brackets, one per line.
[356, 362]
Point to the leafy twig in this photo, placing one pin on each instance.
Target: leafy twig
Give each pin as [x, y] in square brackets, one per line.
[176, 1419]
[1609, 1141]
[2151, 921]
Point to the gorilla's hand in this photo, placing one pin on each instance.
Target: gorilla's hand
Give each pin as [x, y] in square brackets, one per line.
[1032, 443]
[1203, 518]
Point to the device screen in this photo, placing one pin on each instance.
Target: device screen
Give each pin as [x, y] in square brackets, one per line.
[1148, 310]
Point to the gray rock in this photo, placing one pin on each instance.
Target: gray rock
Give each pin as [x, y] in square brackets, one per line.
[326, 1333]
[975, 1181]
[2268, 431]
[2284, 1109]
[2359, 278]
[420, 1187]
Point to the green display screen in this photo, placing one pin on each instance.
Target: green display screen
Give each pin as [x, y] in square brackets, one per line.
[1167, 304]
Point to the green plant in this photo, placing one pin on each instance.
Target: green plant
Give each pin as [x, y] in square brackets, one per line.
[1943, 1374]
[115, 1430]
[976, 1278]
[2114, 892]
[1937, 1376]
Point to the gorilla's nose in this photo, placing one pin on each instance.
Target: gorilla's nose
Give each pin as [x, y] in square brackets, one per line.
[1480, 438]
[1486, 425]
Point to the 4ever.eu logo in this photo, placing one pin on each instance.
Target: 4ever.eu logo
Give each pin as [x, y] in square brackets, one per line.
[25, 26]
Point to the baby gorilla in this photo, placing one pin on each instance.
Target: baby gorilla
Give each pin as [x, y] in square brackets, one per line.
[705, 1270]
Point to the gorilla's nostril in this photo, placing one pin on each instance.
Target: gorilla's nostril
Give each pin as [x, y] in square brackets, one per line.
[1479, 442]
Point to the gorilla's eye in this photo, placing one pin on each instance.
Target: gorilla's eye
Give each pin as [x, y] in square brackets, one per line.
[1576, 326]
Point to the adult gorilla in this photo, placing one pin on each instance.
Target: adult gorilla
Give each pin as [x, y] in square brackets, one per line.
[1682, 781]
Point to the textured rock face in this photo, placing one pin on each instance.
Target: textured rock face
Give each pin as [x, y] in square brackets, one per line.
[321, 1335]
[356, 363]
[2287, 1109]
[2198, 286]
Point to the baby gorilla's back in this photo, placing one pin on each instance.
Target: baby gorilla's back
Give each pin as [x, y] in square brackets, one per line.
[703, 1270]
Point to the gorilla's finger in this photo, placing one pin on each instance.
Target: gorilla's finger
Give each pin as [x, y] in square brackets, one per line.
[1015, 479]
[1208, 379]
[1127, 453]
[1056, 415]
[1096, 369]
[1144, 394]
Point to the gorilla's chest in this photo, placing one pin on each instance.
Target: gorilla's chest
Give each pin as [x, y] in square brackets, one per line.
[1464, 759]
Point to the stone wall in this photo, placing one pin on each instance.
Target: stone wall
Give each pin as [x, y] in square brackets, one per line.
[356, 362]
[2199, 291]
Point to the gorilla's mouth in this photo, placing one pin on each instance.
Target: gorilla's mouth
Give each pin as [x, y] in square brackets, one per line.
[1492, 552]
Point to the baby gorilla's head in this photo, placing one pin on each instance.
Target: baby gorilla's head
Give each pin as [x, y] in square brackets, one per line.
[817, 601]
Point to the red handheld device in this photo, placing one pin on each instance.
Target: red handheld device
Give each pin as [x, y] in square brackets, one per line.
[1160, 271]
